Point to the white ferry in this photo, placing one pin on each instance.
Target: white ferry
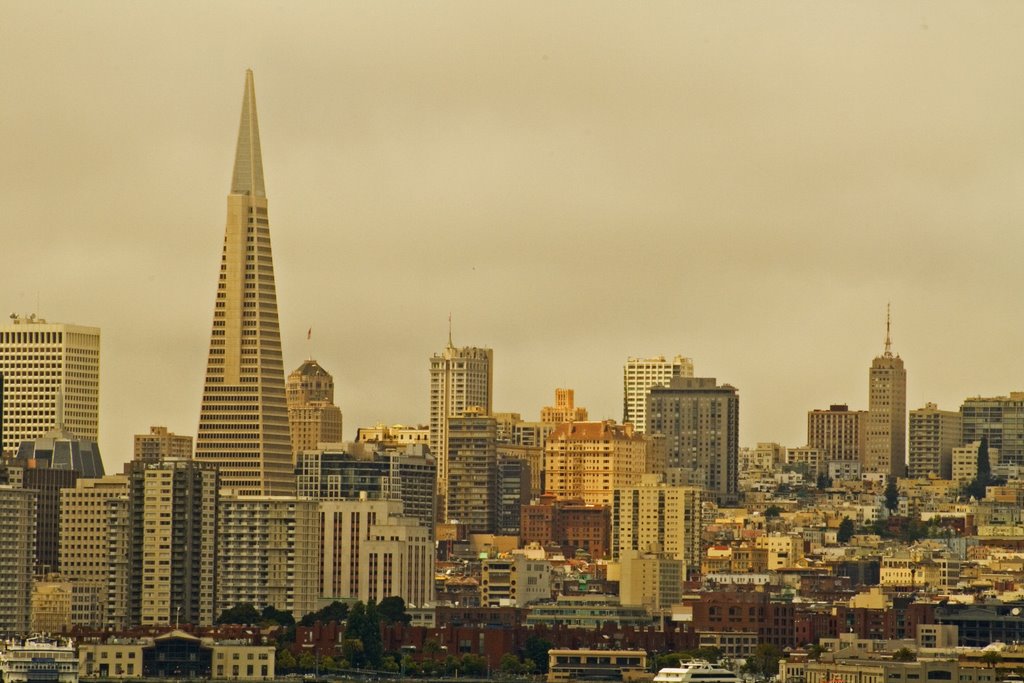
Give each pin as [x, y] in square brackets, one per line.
[696, 671]
[39, 660]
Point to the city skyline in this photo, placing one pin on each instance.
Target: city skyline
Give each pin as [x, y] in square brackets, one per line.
[815, 179]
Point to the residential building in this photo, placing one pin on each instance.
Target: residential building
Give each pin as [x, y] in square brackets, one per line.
[514, 581]
[886, 446]
[589, 460]
[471, 447]
[1000, 420]
[51, 605]
[933, 435]
[43, 364]
[513, 490]
[268, 551]
[654, 580]
[312, 416]
[965, 461]
[160, 444]
[570, 524]
[394, 435]
[460, 378]
[660, 519]
[17, 555]
[564, 410]
[839, 434]
[639, 375]
[243, 420]
[700, 421]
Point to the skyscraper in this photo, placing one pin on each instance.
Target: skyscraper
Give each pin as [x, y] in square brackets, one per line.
[999, 420]
[472, 471]
[839, 433]
[17, 546]
[312, 415]
[459, 379]
[639, 375]
[243, 422]
[38, 361]
[934, 434]
[886, 448]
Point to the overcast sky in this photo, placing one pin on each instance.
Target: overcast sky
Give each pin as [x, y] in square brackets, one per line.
[744, 183]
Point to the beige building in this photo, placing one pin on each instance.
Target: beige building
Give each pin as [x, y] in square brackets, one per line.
[51, 605]
[886, 446]
[652, 517]
[40, 361]
[840, 434]
[84, 543]
[514, 581]
[590, 460]
[934, 434]
[17, 557]
[784, 551]
[394, 436]
[472, 447]
[160, 444]
[370, 551]
[639, 375]
[653, 580]
[564, 410]
[268, 553]
[965, 461]
[810, 458]
[313, 418]
[243, 419]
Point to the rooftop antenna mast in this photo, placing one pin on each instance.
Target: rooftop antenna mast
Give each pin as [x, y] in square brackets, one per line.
[888, 330]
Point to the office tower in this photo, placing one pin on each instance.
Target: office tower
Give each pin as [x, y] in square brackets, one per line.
[660, 519]
[589, 460]
[243, 421]
[639, 375]
[472, 449]
[459, 379]
[1000, 420]
[886, 447]
[389, 436]
[371, 551]
[407, 474]
[85, 529]
[513, 492]
[41, 361]
[700, 421]
[564, 410]
[171, 549]
[839, 433]
[933, 435]
[161, 444]
[312, 416]
[653, 580]
[525, 441]
[17, 555]
[268, 550]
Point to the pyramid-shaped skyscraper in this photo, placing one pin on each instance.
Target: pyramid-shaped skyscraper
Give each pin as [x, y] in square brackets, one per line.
[243, 421]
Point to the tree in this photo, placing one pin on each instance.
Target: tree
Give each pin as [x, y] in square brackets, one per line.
[991, 658]
[392, 611]
[373, 644]
[892, 496]
[473, 665]
[307, 662]
[285, 660]
[824, 481]
[354, 626]
[510, 664]
[536, 650]
[976, 488]
[272, 615]
[904, 654]
[772, 512]
[845, 531]
[352, 652]
[239, 614]
[336, 611]
[327, 663]
[764, 663]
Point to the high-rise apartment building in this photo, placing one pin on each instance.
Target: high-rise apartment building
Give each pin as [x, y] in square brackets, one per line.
[639, 375]
[564, 410]
[513, 492]
[312, 416]
[17, 555]
[840, 434]
[268, 551]
[170, 551]
[659, 519]
[161, 444]
[700, 421]
[85, 528]
[570, 524]
[459, 379]
[43, 363]
[243, 421]
[371, 551]
[1000, 420]
[886, 446]
[934, 434]
[589, 460]
[472, 449]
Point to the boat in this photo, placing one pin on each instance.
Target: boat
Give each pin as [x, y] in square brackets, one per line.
[50, 660]
[696, 671]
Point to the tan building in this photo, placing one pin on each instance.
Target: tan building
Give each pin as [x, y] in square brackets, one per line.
[590, 460]
[51, 605]
[243, 419]
[394, 436]
[17, 556]
[160, 444]
[653, 580]
[965, 461]
[472, 496]
[40, 361]
[564, 410]
[653, 517]
[784, 551]
[886, 447]
[268, 550]
[810, 458]
[934, 434]
[840, 434]
[370, 551]
[639, 375]
[313, 418]
[84, 543]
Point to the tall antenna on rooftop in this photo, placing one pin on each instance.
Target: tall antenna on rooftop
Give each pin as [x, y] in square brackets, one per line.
[888, 330]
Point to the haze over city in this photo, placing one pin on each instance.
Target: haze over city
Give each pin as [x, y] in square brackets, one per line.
[747, 185]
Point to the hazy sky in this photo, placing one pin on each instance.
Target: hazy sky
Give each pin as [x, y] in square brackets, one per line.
[745, 183]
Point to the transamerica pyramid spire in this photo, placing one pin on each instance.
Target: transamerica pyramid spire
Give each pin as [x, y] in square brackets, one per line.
[243, 421]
